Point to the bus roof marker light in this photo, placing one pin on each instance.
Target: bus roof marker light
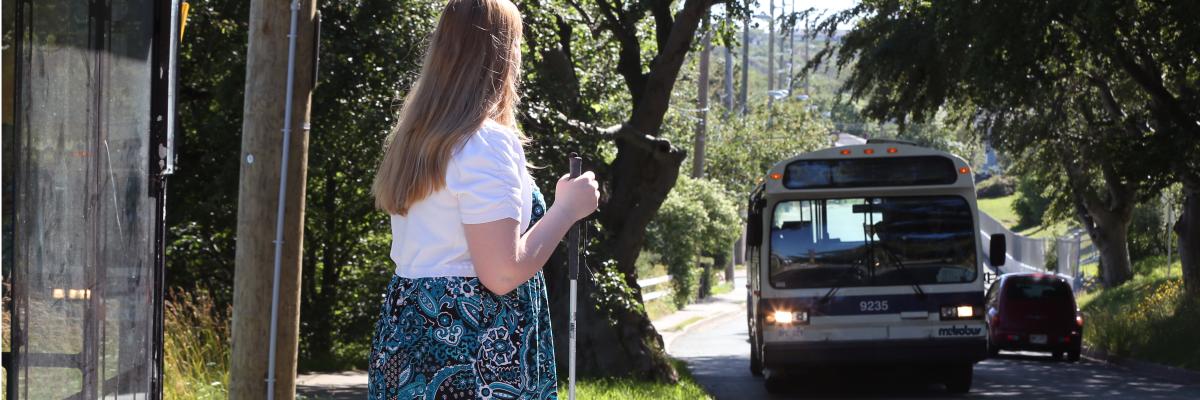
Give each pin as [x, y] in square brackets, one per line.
[868, 151]
[776, 176]
[845, 152]
[964, 170]
[892, 150]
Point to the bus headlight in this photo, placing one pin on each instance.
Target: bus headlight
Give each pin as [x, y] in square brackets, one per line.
[783, 317]
[960, 312]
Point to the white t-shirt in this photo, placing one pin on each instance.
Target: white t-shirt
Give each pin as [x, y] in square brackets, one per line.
[486, 181]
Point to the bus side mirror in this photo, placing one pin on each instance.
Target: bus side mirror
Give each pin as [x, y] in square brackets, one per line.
[999, 249]
[754, 230]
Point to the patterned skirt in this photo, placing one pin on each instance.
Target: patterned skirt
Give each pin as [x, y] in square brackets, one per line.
[450, 338]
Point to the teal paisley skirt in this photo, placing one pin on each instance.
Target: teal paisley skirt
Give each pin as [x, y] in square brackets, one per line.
[450, 338]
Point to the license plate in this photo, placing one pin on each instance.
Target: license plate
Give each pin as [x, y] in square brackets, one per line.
[1037, 339]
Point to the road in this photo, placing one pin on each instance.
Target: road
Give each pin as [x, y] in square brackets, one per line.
[718, 354]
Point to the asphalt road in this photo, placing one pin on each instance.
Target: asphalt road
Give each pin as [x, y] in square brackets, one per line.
[718, 354]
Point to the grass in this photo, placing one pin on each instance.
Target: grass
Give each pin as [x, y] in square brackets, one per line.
[631, 389]
[1001, 209]
[660, 307]
[1147, 318]
[195, 348]
[722, 288]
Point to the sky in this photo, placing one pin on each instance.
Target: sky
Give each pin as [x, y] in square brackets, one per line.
[781, 6]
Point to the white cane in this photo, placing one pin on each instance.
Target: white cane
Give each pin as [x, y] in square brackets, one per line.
[573, 275]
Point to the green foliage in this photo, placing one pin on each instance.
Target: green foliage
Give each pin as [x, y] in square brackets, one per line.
[739, 150]
[1031, 203]
[1147, 318]
[698, 217]
[995, 187]
[632, 389]
[370, 52]
[202, 195]
[1147, 236]
[612, 292]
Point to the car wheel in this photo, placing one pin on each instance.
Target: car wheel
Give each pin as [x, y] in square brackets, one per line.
[1056, 355]
[993, 350]
[756, 367]
[1073, 355]
[959, 377]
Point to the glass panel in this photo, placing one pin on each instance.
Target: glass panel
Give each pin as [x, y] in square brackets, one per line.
[870, 172]
[84, 217]
[872, 242]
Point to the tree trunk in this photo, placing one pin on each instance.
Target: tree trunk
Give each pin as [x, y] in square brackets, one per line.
[1106, 219]
[1113, 245]
[614, 335]
[1188, 229]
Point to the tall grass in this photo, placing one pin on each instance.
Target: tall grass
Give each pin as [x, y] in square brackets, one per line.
[195, 348]
[1148, 318]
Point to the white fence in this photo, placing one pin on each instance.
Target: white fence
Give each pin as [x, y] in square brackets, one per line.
[1024, 253]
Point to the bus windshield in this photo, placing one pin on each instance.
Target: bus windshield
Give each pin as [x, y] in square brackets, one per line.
[872, 241]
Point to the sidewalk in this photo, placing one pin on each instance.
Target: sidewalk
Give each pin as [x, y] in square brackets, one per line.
[348, 385]
[678, 323]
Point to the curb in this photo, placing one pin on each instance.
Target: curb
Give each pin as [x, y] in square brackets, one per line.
[1173, 374]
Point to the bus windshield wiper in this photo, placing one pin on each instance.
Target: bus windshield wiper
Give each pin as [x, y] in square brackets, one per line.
[837, 283]
[900, 266]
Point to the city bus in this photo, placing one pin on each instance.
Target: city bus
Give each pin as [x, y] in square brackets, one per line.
[867, 255]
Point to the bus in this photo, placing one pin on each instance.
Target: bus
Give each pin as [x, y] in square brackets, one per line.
[867, 255]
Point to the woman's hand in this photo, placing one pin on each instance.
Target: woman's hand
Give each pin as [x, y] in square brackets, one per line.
[579, 196]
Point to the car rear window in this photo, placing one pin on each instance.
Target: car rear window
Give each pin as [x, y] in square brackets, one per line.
[1042, 289]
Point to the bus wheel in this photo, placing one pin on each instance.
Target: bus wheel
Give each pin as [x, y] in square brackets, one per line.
[958, 378]
[774, 383]
[756, 367]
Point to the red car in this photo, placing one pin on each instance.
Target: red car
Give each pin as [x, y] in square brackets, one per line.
[1036, 312]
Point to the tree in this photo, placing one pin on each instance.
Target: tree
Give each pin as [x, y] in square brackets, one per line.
[698, 217]
[370, 51]
[636, 181]
[1045, 88]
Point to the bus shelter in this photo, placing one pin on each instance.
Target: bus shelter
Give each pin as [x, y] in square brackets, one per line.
[91, 144]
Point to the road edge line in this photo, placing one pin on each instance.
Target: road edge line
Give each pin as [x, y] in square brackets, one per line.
[1173, 374]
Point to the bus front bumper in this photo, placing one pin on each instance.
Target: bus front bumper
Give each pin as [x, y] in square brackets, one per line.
[881, 352]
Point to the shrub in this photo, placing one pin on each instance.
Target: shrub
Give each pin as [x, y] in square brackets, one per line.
[1147, 231]
[1032, 203]
[698, 217]
[996, 186]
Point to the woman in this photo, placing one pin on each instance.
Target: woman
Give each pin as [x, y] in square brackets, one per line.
[466, 315]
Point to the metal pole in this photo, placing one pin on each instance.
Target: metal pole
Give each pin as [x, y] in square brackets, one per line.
[573, 275]
[1170, 222]
[283, 173]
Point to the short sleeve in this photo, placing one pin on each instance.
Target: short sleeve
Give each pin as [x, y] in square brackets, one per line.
[485, 176]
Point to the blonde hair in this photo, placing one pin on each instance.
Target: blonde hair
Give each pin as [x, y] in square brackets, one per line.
[470, 74]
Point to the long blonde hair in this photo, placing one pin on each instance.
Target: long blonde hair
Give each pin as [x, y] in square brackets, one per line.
[470, 74]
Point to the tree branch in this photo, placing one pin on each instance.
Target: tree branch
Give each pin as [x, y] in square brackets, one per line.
[656, 95]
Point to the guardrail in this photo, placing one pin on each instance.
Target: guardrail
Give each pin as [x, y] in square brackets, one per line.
[652, 282]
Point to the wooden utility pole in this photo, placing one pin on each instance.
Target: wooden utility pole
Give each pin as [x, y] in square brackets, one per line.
[791, 49]
[258, 199]
[702, 104]
[770, 60]
[745, 106]
[728, 81]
